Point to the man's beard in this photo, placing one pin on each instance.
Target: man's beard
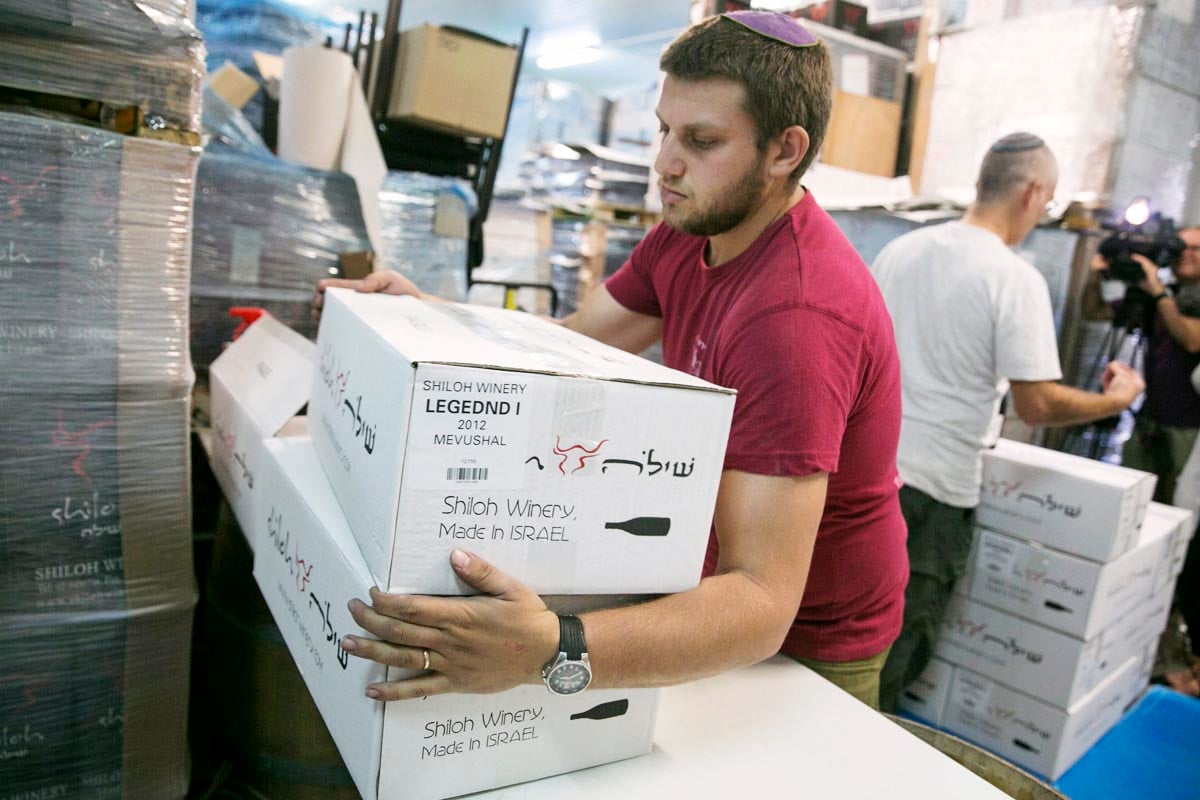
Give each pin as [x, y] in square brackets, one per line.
[730, 209]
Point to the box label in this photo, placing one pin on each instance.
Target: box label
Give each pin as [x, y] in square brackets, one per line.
[469, 428]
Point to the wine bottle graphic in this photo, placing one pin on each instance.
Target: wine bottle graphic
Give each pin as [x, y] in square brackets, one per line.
[1053, 606]
[642, 526]
[613, 708]
[1024, 745]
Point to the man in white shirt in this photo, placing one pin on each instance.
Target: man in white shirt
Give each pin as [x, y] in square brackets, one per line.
[972, 320]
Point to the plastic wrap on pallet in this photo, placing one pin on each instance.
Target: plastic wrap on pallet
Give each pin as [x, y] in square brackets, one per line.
[95, 247]
[227, 130]
[619, 243]
[586, 175]
[634, 122]
[265, 232]
[546, 111]
[95, 704]
[235, 29]
[1089, 51]
[564, 277]
[95, 509]
[425, 231]
[1155, 159]
[115, 51]
[885, 68]
[569, 247]
[113, 22]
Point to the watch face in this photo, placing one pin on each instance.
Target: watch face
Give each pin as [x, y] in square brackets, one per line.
[569, 677]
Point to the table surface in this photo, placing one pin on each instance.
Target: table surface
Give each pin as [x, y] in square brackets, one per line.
[776, 727]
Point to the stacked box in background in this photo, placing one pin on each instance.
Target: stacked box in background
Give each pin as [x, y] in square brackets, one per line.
[581, 251]
[267, 230]
[425, 227]
[95, 516]
[586, 176]
[568, 464]
[123, 54]
[1053, 629]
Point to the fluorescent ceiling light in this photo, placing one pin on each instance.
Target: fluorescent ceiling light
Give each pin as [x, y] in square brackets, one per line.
[568, 58]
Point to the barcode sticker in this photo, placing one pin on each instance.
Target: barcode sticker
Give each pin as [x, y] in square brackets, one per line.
[466, 474]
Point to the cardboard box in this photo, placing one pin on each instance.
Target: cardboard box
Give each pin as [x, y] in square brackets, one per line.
[309, 567]
[1047, 664]
[1075, 505]
[1183, 523]
[863, 134]
[95, 704]
[573, 466]
[232, 85]
[95, 297]
[1065, 592]
[453, 80]
[95, 503]
[925, 698]
[256, 387]
[837, 14]
[1040, 737]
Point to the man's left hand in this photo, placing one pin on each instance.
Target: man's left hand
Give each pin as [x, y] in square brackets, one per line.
[480, 644]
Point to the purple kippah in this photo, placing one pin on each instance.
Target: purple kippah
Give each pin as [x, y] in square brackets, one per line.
[774, 25]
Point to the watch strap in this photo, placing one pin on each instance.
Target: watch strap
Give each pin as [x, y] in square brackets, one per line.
[570, 637]
[1161, 295]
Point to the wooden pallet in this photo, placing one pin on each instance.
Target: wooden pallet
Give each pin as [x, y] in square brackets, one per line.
[631, 214]
[124, 119]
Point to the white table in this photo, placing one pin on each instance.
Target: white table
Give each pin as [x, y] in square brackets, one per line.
[776, 729]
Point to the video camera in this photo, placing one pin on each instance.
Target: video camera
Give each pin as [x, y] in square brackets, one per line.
[1139, 231]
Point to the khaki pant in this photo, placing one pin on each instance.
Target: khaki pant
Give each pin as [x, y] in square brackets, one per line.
[939, 542]
[859, 679]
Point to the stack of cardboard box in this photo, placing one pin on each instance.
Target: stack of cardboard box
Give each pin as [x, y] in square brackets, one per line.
[1052, 631]
[570, 465]
[95, 518]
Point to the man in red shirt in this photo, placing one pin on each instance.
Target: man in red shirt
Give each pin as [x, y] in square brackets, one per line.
[750, 285]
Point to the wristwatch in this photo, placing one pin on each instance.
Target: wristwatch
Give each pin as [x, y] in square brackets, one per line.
[570, 671]
[1164, 293]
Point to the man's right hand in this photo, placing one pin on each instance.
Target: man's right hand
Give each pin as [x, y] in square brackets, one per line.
[386, 281]
[1151, 285]
[1122, 382]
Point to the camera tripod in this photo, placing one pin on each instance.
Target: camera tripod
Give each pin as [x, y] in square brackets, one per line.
[1126, 337]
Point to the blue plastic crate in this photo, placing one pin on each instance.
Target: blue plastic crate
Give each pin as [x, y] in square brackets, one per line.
[1151, 753]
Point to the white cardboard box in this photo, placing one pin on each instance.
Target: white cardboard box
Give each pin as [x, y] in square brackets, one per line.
[1184, 526]
[1047, 664]
[309, 567]
[925, 698]
[1065, 592]
[444, 426]
[256, 387]
[1040, 737]
[1076, 505]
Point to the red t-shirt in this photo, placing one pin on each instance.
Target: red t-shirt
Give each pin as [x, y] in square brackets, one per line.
[797, 326]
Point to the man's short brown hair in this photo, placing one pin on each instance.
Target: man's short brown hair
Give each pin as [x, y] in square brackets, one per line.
[784, 85]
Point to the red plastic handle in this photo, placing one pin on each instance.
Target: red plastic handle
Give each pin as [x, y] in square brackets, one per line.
[248, 316]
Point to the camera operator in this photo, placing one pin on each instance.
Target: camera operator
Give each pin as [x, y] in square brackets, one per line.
[1165, 434]
[971, 317]
[1170, 419]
